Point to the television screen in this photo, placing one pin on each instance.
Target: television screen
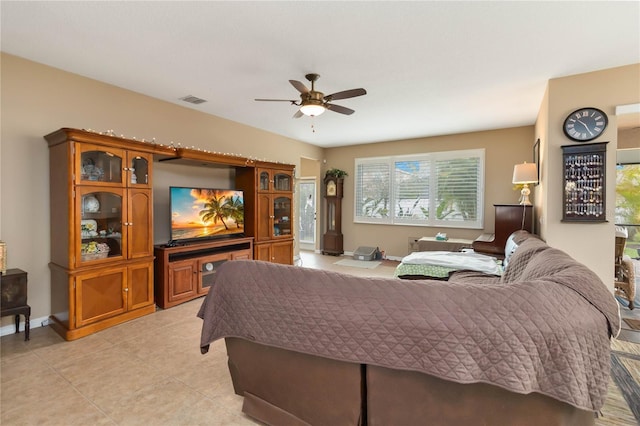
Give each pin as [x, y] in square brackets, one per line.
[198, 213]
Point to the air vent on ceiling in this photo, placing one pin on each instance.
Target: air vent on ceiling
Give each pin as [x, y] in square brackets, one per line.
[193, 99]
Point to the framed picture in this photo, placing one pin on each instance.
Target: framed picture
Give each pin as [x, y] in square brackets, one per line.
[536, 156]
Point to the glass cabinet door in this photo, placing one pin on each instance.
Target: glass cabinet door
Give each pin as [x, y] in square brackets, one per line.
[100, 224]
[97, 165]
[282, 216]
[208, 267]
[264, 181]
[274, 180]
[584, 171]
[282, 181]
[138, 169]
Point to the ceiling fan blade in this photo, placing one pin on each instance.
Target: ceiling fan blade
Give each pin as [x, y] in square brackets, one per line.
[340, 109]
[277, 100]
[298, 114]
[300, 87]
[346, 94]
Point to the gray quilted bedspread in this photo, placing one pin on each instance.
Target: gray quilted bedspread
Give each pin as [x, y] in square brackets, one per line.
[536, 335]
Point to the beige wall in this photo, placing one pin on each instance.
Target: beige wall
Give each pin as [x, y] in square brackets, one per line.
[37, 100]
[590, 243]
[503, 149]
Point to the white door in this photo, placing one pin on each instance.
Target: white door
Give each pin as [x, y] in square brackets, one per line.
[307, 214]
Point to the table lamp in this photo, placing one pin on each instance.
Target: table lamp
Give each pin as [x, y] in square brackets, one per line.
[524, 174]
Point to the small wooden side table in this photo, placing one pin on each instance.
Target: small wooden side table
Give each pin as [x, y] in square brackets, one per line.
[14, 298]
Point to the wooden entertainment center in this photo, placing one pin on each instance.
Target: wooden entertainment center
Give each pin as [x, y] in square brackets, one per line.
[103, 260]
[185, 272]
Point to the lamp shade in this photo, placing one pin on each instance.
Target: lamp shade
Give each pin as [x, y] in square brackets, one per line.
[525, 173]
[312, 109]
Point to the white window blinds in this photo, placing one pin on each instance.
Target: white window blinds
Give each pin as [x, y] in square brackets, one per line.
[434, 189]
[372, 189]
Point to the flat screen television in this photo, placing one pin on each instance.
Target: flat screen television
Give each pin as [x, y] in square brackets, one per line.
[205, 213]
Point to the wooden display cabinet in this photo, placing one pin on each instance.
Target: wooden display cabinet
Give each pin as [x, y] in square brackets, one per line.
[584, 182]
[101, 231]
[186, 272]
[268, 190]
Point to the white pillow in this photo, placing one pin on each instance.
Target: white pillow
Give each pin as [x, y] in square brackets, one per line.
[509, 248]
[455, 260]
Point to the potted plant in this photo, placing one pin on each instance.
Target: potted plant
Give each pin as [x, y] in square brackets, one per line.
[336, 173]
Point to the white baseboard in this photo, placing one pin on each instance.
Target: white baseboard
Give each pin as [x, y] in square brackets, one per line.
[33, 323]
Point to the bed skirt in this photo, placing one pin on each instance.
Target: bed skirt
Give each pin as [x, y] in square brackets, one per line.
[287, 388]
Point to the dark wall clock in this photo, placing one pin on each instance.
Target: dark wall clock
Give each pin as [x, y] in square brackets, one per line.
[585, 124]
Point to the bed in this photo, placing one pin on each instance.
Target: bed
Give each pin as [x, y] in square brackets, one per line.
[305, 344]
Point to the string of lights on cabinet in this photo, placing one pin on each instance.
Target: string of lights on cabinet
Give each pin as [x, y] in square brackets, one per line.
[175, 146]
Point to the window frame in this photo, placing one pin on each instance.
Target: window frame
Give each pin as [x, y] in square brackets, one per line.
[432, 158]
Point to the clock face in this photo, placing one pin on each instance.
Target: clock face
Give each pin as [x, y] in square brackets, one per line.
[585, 124]
[331, 188]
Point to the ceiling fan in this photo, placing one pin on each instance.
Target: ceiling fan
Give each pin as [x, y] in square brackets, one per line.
[313, 103]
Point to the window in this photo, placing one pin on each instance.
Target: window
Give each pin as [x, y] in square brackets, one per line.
[436, 189]
[628, 205]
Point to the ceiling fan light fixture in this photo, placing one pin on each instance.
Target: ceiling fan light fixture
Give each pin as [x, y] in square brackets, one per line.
[313, 103]
[312, 110]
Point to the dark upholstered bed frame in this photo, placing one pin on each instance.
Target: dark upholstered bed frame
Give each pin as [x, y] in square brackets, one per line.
[283, 387]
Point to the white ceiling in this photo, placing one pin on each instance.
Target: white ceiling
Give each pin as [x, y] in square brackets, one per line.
[430, 68]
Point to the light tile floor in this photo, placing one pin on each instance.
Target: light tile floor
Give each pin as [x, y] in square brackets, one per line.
[146, 371]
